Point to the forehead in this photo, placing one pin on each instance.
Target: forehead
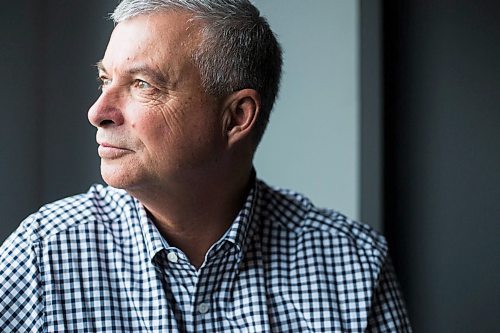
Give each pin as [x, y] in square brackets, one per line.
[164, 38]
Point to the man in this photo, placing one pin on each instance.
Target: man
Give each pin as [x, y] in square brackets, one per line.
[185, 238]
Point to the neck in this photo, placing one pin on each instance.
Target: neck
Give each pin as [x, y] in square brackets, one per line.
[193, 217]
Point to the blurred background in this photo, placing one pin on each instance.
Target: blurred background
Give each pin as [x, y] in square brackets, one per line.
[389, 112]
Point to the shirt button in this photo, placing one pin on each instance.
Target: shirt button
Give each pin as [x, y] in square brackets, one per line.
[203, 308]
[172, 257]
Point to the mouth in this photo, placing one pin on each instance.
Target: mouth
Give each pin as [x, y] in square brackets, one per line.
[109, 151]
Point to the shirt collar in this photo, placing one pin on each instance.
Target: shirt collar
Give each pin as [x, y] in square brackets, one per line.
[238, 231]
[152, 237]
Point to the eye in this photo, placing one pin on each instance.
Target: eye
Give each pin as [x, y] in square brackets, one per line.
[103, 82]
[142, 84]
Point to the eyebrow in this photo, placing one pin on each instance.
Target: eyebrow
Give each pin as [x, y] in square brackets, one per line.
[156, 76]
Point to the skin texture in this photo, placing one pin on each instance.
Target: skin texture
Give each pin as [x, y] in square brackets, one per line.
[186, 155]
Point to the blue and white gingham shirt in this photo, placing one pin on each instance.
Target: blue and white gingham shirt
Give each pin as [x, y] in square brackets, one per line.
[96, 263]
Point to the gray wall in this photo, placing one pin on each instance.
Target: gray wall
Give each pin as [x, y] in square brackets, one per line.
[442, 181]
[312, 145]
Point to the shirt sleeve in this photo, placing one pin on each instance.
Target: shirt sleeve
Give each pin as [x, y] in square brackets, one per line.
[21, 308]
[388, 313]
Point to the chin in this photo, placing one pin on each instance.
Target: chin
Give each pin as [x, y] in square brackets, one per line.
[114, 181]
[117, 177]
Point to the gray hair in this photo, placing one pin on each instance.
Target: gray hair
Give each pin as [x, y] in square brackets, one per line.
[238, 49]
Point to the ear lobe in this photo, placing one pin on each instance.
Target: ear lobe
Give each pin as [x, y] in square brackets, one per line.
[241, 115]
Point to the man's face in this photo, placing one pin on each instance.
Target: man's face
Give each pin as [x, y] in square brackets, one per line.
[155, 124]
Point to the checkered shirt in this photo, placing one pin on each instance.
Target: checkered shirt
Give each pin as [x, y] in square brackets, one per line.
[96, 263]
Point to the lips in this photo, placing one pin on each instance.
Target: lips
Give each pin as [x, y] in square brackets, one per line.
[110, 151]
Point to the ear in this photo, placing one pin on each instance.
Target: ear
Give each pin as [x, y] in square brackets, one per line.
[241, 111]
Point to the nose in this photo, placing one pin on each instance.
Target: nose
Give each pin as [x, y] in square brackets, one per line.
[106, 110]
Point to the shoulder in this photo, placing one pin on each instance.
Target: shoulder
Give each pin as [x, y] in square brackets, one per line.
[291, 211]
[100, 203]
[52, 230]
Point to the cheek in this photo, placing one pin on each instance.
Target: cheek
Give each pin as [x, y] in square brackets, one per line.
[164, 135]
[176, 125]
[153, 124]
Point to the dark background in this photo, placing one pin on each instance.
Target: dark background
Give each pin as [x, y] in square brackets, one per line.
[442, 159]
[430, 96]
[47, 61]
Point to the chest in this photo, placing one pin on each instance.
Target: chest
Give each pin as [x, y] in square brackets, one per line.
[269, 292]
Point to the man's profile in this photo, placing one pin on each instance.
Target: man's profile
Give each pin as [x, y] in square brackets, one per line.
[185, 237]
